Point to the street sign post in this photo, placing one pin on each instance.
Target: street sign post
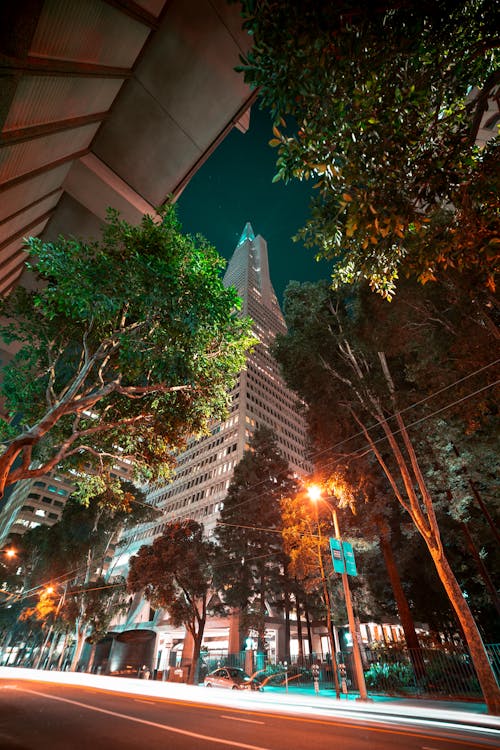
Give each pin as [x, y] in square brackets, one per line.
[343, 557]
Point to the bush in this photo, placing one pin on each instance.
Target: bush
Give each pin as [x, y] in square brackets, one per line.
[389, 677]
[451, 674]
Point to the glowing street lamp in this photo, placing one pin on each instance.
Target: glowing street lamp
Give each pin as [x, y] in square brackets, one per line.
[327, 598]
[315, 495]
[9, 552]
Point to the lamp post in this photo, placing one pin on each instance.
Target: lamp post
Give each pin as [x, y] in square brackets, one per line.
[328, 604]
[314, 493]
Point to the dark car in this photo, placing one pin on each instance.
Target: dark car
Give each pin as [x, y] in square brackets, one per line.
[232, 678]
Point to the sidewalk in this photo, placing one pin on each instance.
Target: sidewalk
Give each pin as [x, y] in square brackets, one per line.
[446, 704]
[470, 713]
[276, 699]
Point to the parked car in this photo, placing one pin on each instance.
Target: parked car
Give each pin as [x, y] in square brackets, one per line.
[232, 678]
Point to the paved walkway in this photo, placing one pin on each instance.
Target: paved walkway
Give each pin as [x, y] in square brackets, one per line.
[384, 708]
[418, 703]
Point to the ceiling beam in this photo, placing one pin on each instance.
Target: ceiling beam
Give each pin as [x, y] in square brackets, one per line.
[39, 131]
[22, 232]
[47, 66]
[44, 168]
[131, 9]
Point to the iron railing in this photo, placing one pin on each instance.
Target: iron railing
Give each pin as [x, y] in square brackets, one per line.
[440, 672]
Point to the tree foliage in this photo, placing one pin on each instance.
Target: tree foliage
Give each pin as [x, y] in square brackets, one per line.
[74, 547]
[176, 574]
[249, 530]
[381, 105]
[368, 361]
[127, 346]
[61, 563]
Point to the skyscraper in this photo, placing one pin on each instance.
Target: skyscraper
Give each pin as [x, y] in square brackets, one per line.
[260, 397]
[205, 468]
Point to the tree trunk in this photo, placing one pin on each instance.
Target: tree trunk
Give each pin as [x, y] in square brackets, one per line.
[404, 611]
[90, 665]
[38, 663]
[300, 636]
[30, 640]
[481, 567]
[309, 629]
[478, 654]
[287, 625]
[197, 635]
[53, 643]
[262, 615]
[6, 461]
[80, 634]
[329, 624]
[422, 513]
[63, 651]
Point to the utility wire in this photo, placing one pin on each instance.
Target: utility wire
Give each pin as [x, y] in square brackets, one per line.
[395, 432]
[333, 447]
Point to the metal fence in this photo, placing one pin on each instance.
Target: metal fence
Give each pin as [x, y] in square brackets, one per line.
[443, 672]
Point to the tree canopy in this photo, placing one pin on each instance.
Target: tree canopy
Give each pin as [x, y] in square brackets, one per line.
[176, 574]
[127, 346]
[367, 362]
[249, 530]
[381, 105]
[63, 565]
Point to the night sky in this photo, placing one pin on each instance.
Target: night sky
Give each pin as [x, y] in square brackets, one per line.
[235, 186]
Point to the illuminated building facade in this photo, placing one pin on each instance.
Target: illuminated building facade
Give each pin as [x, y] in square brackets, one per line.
[260, 397]
[34, 502]
[205, 468]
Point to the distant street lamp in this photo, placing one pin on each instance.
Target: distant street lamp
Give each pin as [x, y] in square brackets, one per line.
[314, 493]
[9, 552]
[48, 591]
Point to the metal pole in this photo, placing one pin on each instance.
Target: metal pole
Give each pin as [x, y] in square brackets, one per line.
[328, 605]
[358, 664]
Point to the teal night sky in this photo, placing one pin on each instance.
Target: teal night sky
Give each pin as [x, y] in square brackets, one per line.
[235, 186]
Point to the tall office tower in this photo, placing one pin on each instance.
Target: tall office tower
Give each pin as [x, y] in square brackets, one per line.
[41, 501]
[34, 502]
[260, 397]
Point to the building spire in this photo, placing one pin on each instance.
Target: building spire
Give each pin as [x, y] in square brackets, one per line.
[247, 234]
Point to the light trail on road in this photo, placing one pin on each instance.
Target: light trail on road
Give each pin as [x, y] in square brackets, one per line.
[360, 722]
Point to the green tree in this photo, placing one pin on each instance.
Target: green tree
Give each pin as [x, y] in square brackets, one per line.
[381, 105]
[127, 346]
[249, 531]
[176, 574]
[72, 553]
[91, 609]
[353, 350]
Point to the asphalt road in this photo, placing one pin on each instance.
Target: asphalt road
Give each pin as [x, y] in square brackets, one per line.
[39, 716]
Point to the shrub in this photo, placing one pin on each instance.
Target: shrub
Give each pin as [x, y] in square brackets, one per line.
[389, 677]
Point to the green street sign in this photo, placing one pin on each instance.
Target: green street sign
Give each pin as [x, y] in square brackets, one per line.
[337, 556]
[343, 557]
[350, 562]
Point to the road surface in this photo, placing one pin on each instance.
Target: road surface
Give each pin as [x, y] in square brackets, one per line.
[39, 715]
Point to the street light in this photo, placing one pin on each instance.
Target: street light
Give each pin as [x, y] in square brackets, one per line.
[328, 604]
[9, 552]
[314, 493]
[49, 591]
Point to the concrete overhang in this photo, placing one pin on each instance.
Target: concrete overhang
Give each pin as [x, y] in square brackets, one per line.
[108, 103]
